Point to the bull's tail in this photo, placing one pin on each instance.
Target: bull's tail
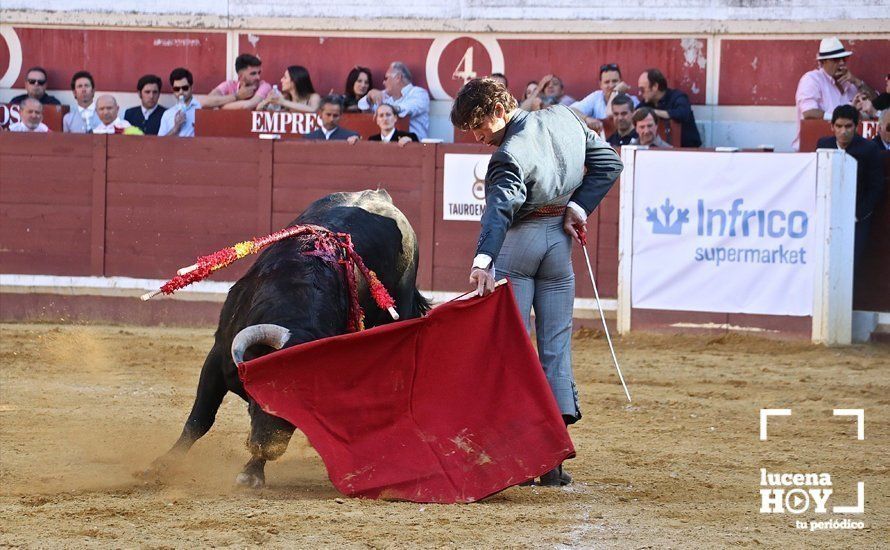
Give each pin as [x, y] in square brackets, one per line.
[419, 305]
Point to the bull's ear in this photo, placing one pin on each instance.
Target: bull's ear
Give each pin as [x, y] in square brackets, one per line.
[271, 335]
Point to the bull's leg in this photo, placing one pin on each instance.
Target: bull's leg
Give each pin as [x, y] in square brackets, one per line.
[269, 436]
[211, 390]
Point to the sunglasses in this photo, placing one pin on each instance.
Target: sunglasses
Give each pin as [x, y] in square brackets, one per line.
[609, 67]
[36, 82]
[182, 88]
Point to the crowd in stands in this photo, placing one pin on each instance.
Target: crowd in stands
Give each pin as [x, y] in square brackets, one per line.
[632, 118]
[294, 92]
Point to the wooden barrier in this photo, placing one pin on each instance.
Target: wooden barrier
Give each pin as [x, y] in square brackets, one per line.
[811, 130]
[237, 123]
[47, 201]
[142, 207]
[52, 115]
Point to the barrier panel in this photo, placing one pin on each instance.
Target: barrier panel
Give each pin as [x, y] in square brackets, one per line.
[141, 207]
[729, 248]
[285, 125]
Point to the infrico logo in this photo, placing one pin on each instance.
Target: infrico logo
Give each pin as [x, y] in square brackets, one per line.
[796, 492]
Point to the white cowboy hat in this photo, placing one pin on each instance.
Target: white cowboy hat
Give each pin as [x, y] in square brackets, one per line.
[831, 48]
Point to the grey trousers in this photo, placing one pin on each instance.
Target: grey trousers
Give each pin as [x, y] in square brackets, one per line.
[537, 258]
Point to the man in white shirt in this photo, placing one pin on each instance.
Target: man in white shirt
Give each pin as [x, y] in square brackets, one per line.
[32, 117]
[109, 123]
[180, 120]
[411, 101]
[82, 118]
[597, 106]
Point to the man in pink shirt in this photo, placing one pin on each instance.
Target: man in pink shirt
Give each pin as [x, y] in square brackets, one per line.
[821, 90]
[245, 92]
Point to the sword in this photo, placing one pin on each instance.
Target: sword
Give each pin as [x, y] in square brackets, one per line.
[582, 236]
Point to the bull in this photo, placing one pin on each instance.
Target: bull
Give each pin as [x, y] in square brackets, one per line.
[287, 298]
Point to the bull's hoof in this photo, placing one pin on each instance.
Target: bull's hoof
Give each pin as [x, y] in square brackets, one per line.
[250, 481]
[153, 474]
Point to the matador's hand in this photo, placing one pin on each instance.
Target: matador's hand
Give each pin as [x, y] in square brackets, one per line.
[483, 280]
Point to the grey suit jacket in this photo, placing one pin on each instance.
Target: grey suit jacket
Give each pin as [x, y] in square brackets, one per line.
[73, 122]
[541, 162]
[339, 134]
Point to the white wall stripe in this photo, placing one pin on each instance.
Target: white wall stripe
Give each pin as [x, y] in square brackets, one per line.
[204, 291]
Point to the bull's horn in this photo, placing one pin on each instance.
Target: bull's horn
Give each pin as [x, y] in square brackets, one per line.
[271, 335]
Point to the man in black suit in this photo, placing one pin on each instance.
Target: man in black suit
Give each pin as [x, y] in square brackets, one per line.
[869, 170]
[385, 117]
[329, 113]
[147, 116]
[669, 104]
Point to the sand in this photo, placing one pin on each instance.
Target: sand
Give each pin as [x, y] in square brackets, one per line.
[84, 407]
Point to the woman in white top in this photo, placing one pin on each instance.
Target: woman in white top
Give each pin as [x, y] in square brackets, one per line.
[297, 93]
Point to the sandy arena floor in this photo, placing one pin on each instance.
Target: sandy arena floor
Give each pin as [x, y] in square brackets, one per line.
[83, 407]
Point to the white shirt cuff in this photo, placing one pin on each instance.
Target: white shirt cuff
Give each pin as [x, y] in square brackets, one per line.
[482, 261]
[577, 208]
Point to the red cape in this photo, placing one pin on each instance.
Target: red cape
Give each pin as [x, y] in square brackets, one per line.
[452, 407]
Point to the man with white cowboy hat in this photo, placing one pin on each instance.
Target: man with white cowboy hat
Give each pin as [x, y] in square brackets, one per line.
[821, 90]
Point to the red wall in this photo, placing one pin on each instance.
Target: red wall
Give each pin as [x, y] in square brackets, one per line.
[117, 59]
[766, 72]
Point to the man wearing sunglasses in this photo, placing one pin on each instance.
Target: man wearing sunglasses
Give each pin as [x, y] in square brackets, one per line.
[35, 86]
[180, 120]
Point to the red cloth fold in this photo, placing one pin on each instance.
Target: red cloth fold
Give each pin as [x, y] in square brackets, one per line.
[453, 407]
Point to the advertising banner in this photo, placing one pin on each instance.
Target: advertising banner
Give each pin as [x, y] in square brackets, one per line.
[463, 189]
[724, 232]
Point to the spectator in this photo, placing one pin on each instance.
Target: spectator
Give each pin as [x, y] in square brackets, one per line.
[597, 105]
[35, 86]
[82, 118]
[358, 83]
[669, 104]
[32, 117]
[246, 91]
[180, 120]
[385, 117]
[531, 89]
[869, 170]
[108, 110]
[400, 91]
[297, 92]
[147, 116]
[622, 113]
[500, 78]
[646, 126]
[821, 90]
[550, 91]
[872, 106]
[883, 137]
[330, 111]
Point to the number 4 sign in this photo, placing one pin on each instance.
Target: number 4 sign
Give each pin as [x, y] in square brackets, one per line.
[465, 67]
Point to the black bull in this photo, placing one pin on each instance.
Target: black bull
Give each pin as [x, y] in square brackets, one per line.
[306, 298]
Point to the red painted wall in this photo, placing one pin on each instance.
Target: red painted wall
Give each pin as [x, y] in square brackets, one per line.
[766, 72]
[117, 59]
